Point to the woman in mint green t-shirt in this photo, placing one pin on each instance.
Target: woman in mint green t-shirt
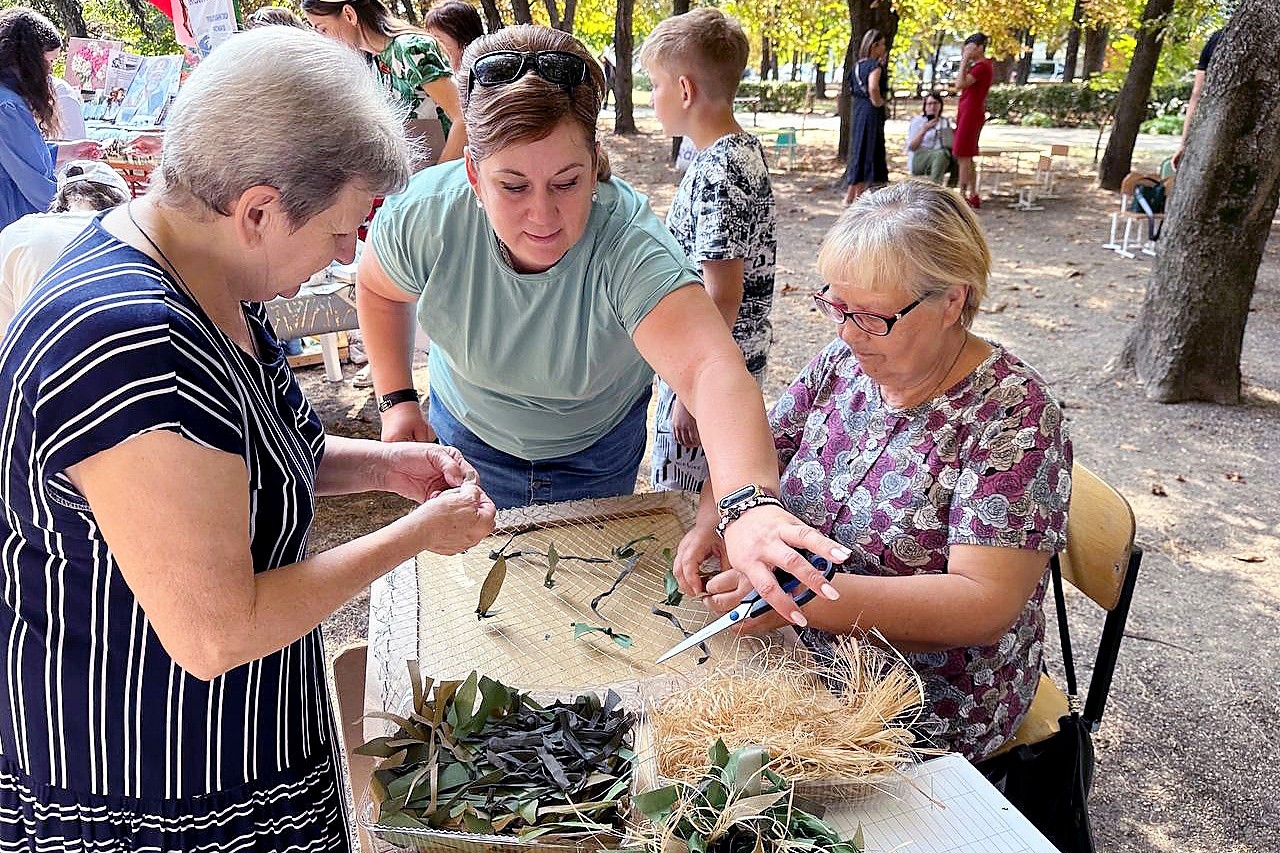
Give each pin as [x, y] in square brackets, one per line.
[552, 294]
[410, 62]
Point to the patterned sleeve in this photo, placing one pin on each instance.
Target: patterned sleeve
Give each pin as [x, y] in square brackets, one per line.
[419, 60]
[1014, 487]
[125, 369]
[788, 416]
[722, 232]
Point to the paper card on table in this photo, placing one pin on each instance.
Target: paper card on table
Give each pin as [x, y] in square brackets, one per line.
[951, 808]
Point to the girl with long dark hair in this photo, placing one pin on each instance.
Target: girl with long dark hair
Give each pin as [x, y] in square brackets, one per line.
[29, 44]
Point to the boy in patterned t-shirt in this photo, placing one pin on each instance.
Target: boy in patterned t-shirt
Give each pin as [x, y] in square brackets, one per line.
[722, 214]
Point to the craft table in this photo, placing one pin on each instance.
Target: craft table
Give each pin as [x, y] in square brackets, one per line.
[324, 306]
[941, 806]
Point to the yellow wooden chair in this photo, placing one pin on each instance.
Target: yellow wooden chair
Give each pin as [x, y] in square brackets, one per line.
[1101, 561]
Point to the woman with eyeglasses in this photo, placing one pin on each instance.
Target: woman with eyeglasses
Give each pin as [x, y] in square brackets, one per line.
[408, 60]
[552, 294]
[939, 458]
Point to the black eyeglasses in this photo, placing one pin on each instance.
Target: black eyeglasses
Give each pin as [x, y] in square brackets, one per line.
[873, 324]
[506, 66]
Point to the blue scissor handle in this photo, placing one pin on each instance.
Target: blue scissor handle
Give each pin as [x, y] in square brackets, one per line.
[789, 583]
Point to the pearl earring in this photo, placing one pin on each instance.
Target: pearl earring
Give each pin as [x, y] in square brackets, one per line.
[595, 195]
[479, 203]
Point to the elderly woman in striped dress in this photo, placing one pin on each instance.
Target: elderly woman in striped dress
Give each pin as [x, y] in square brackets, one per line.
[163, 686]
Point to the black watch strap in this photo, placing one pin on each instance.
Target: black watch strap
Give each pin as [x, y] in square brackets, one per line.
[395, 398]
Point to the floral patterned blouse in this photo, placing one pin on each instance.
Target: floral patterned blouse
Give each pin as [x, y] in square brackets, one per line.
[988, 462]
[406, 64]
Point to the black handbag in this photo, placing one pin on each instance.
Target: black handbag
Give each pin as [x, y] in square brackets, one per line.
[1049, 782]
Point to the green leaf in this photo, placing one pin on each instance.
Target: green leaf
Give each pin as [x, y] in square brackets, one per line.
[528, 811]
[674, 595]
[628, 549]
[718, 754]
[552, 559]
[379, 747]
[658, 803]
[491, 587]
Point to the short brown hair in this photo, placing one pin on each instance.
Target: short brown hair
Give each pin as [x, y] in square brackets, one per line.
[529, 108]
[703, 44]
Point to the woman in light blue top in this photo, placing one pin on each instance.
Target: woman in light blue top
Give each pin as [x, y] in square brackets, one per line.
[551, 294]
[29, 44]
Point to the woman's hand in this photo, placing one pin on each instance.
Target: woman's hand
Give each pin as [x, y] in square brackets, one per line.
[454, 520]
[698, 546]
[683, 426]
[726, 590]
[766, 537]
[80, 149]
[145, 145]
[405, 422]
[421, 471]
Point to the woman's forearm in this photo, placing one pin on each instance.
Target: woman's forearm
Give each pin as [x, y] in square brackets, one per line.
[388, 329]
[350, 465]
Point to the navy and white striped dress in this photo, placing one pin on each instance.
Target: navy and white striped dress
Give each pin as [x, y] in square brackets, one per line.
[105, 743]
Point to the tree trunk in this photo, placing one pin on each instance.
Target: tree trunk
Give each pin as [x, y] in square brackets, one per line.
[678, 7]
[1024, 60]
[624, 119]
[1131, 103]
[521, 12]
[553, 13]
[1001, 70]
[492, 17]
[863, 15]
[795, 65]
[410, 13]
[820, 82]
[933, 62]
[1073, 43]
[1095, 50]
[70, 14]
[764, 57]
[563, 22]
[1188, 337]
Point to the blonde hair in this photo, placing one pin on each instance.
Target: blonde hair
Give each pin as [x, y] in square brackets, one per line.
[530, 108]
[915, 236]
[869, 40]
[703, 44]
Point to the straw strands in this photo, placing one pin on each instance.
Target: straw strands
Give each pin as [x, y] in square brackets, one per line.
[855, 731]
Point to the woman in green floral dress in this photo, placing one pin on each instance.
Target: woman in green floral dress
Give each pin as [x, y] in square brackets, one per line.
[410, 61]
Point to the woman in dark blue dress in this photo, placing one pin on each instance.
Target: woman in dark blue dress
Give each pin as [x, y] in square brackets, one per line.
[163, 682]
[869, 86]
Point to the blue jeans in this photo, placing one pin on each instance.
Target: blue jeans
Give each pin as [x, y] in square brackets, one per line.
[604, 469]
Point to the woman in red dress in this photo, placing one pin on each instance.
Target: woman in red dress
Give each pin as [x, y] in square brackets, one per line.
[976, 72]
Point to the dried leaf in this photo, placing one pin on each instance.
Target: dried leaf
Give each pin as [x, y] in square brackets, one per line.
[552, 559]
[1249, 558]
[617, 582]
[1235, 476]
[491, 587]
[1158, 490]
[581, 629]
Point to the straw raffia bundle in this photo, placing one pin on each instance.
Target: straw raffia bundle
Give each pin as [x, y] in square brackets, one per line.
[853, 731]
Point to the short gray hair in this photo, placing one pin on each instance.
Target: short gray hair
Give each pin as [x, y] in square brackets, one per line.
[284, 108]
[912, 235]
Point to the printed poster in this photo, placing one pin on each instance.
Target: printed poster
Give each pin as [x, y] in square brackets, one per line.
[88, 61]
[203, 24]
[154, 84]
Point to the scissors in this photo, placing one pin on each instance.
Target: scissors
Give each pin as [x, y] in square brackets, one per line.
[753, 605]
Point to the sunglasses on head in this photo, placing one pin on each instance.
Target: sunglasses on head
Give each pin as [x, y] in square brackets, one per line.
[506, 66]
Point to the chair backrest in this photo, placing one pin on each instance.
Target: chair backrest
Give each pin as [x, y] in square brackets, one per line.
[1101, 561]
[1060, 150]
[786, 136]
[1100, 529]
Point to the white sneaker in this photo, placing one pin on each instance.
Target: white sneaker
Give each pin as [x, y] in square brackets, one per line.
[363, 378]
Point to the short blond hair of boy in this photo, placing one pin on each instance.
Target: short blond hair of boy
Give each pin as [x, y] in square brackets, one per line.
[703, 44]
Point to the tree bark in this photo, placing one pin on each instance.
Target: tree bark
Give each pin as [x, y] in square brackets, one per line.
[1131, 103]
[1189, 334]
[1024, 59]
[624, 118]
[863, 15]
[820, 82]
[1073, 43]
[492, 17]
[410, 13]
[521, 12]
[1095, 50]
[70, 14]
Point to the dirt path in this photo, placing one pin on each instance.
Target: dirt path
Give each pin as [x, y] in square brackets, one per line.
[1189, 750]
